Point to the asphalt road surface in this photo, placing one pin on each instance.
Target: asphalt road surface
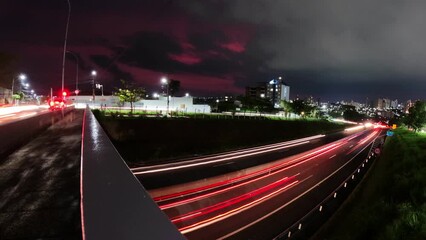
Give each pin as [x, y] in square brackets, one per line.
[39, 185]
[261, 201]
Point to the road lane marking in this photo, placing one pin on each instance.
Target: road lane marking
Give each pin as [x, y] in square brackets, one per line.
[293, 200]
[7, 115]
[27, 115]
[332, 156]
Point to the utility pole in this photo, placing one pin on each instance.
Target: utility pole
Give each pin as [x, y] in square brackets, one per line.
[93, 85]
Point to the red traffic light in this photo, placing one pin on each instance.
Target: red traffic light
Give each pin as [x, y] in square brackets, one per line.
[64, 93]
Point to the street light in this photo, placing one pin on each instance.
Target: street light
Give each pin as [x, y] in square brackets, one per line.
[65, 45]
[21, 78]
[76, 72]
[217, 105]
[186, 94]
[94, 73]
[165, 82]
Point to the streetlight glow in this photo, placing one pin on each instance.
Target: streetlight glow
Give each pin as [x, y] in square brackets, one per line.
[22, 76]
[164, 80]
[94, 73]
[186, 94]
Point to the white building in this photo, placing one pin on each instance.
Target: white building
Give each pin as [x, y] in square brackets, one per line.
[176, 104]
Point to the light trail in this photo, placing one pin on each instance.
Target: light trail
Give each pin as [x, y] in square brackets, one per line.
[16, 109]
[236, 205]
[7, 115]
[27, 115]
[291, 201]
[235, 211]
[364, 140]
[218, 160]
[232, 201]
[270, 170]
[224, 157]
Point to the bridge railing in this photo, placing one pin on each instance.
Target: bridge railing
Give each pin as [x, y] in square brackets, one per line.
[114, 204]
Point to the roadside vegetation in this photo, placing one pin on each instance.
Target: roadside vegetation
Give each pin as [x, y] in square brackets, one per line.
[391, 202]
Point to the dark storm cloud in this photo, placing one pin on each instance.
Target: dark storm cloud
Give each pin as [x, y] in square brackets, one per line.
[150, 50]
[108, 65]
[153, 51]
[369, 41]
[321, 47]
[335, 34]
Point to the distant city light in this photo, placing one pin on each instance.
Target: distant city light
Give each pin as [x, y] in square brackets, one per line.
[22, 76]
[164, 80]
[94, 73]
[186, 94]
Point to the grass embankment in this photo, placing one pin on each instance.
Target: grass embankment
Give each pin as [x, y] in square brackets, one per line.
[144, 140]
[391, 202]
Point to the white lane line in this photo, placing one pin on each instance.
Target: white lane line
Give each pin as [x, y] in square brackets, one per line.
[7, 115]
[27, 115]
[293, 200]
[332, 156]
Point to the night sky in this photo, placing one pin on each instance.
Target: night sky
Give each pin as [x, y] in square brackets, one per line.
[332, 50]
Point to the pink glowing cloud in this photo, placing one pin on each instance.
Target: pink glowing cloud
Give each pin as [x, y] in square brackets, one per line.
[234, 47]
[187, 59]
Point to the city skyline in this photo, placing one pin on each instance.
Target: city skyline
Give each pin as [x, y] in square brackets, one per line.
[333, 51]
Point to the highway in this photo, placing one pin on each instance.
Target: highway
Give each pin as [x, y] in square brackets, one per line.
[11, 114]
[261, 201]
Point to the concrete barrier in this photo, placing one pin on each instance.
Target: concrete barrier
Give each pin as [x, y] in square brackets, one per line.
[114, 205]
[19, 132]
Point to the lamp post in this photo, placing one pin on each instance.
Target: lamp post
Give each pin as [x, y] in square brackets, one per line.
[165, 82]
[65, 45]
[76, 72]
[94, 73]
[21, 78]
[217, 105]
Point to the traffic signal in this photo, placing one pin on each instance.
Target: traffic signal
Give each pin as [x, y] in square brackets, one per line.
[64, 93]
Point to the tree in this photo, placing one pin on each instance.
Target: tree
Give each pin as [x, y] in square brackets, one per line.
[129, 93]
[351, 114]
[287, 107]
[416, 117]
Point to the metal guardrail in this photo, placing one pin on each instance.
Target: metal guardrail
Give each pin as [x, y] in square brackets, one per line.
[114, 204]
